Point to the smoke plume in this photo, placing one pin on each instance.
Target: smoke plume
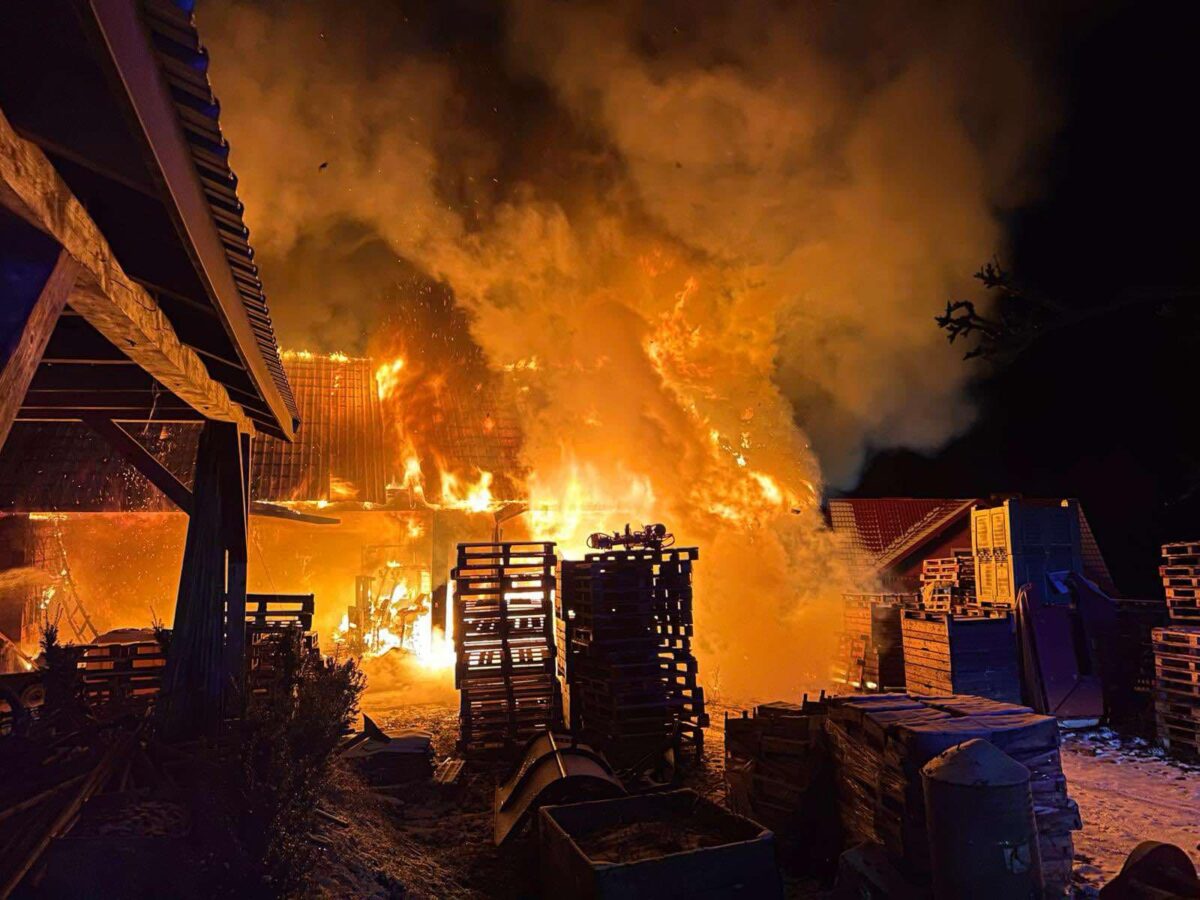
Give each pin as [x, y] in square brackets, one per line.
[706, 239]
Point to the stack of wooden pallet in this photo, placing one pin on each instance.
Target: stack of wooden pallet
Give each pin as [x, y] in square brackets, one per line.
[277, 625]
[1177, 652]
[1177, 688]
[625, 620]
[953, 654]
[948, 582]
[1181, 581]
[879, 744]
[871, 655]
[122, 674]
[504, 643]
[774, 759]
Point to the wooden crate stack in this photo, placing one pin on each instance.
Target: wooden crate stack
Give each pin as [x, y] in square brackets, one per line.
[1181, 581]
[504, 645]
[625, 631]
[948, 582]
[870, 657]
[880, 742]
[1177, 652]
[953, 654]
[774, 759]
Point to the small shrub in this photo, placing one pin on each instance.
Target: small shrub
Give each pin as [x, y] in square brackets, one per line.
[285, 752]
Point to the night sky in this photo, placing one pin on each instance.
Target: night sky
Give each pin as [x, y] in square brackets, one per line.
[1101, 409]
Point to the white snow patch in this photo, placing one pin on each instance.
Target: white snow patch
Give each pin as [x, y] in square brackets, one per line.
[1128, 791]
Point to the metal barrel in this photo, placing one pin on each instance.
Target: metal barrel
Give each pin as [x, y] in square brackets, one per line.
[982, 833]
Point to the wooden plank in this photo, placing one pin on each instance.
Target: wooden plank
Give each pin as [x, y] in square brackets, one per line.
[27, 324]
[120, 309]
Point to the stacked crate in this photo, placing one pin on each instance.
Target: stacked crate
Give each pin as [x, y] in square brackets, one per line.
[879, 744]
[504, 644]
[625, 626]
[774, 759]
[950, 654]
[871, 656]
[948, 582]
[1181, 581]
[1177, 652]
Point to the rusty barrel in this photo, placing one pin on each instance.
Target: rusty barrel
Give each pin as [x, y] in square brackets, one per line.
[982, 834]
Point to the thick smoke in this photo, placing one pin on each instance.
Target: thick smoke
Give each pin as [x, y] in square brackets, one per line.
[717, 231]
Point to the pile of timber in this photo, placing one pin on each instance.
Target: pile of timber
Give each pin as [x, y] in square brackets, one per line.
[871, 655]
[1177, 688]
[47, 781]
[504, 645]
[948, 582]
[625, 633]
[1181, 581]
[946, 653]
[880, 742]
[774, 759]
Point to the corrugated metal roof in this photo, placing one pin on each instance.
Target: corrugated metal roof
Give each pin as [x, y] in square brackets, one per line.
[184, 64]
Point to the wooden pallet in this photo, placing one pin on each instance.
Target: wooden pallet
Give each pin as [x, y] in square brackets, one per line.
[504, 638]
[1181, 548]
[625, 631]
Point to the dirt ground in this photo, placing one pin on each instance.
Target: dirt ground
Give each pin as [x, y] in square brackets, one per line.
[433, 843]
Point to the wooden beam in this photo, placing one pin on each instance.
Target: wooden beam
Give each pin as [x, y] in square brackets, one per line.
[235, 504]
[116, 306]
[137, 415]
[193, 682]
[31, 301]
[275, 511]
[142, 460]
[82, 400]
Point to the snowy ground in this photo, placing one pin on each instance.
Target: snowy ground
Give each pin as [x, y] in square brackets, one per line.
[1128, 792]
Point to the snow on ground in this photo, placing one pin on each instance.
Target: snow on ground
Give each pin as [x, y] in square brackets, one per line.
[1128, 792]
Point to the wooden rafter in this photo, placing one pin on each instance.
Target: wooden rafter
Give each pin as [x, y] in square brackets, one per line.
[142, 460]
[119, 308]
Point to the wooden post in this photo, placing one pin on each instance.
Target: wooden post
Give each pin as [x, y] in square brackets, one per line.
[36, 275]
[235, 499]
[193, 680]
[206, 661]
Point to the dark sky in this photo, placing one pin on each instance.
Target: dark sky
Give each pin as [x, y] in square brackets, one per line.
[1101, 410]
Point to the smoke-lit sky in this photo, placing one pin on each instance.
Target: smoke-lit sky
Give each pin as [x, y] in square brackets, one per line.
[722, 230]
[827, 172]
